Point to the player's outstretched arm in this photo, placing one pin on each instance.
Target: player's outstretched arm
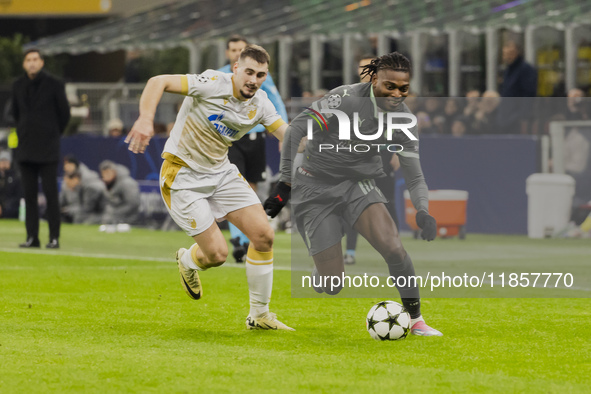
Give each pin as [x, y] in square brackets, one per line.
[143, 129]
[280, 132]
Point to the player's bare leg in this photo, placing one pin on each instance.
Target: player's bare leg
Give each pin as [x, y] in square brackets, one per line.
[376, 225]
[213, 250]
[209, 250]
[252, 221]
[328, 263]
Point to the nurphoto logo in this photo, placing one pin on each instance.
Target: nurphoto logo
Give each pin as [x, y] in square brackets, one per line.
[392, 123]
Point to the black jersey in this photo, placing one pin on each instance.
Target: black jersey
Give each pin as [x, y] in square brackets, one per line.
[333, 155]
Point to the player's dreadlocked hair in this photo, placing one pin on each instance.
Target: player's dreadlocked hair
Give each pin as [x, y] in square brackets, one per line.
[392, 61]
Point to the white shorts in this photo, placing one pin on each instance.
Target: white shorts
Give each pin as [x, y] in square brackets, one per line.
[195, 200]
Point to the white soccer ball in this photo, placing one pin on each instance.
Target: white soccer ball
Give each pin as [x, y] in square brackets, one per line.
[388, 321]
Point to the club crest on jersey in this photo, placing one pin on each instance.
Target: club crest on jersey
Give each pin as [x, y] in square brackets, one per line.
[252, 113]
[334, 101]
[202, 78]
[224, 130]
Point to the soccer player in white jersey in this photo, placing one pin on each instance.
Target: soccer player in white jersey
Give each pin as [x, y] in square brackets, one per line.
[199, 184]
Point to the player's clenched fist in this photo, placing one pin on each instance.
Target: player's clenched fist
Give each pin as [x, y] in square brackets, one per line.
[428, 224]
[278, 199]
[140, 135]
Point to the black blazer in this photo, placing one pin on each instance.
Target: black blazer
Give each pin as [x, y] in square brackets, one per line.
[41, 113]
[519, 80]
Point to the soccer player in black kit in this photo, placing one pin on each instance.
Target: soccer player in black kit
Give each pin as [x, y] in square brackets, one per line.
[336, 180]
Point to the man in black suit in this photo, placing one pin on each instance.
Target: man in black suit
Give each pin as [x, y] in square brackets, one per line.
[41, 113]
[520, 80]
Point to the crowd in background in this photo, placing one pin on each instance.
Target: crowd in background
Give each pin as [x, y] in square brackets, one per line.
[88, 197]
[475, 114]
[488, 113]
[110, 196]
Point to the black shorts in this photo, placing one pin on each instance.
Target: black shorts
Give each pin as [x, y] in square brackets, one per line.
[321, 210]
[249, 155]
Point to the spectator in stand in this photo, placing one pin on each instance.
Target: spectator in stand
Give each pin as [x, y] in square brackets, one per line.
[412, 102]
[69, 197]
[451, 111]
[575, 107]
[122, 194]
[10, 188]
[424, 124]
[519, 80]
[81, 202]
[93, 191]
[72, 165]
[440, 125]
[472, 102]
[459, 126]
[115, 128]
[433, 106]
[484, 120]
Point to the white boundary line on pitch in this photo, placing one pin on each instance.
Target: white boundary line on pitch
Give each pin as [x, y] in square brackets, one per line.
[171, 260]
[117, 256]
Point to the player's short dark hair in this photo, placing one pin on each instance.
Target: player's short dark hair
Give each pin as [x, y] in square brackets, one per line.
[395, 61]
[71, 159]
[235, 38]
[33, 50]
[255, 52]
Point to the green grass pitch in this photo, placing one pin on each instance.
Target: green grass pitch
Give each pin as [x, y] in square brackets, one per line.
[106, 313]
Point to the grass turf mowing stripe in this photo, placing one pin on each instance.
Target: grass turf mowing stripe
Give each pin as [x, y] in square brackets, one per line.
[66, 329]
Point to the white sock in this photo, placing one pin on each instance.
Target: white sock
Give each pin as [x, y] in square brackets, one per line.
[187, 259]
[259, 273]
[418, 319]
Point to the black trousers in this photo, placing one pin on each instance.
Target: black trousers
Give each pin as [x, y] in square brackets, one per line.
[30, 174]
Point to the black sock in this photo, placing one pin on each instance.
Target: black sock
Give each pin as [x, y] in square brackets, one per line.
[403, 272]
[409, 293]
[413, 306]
